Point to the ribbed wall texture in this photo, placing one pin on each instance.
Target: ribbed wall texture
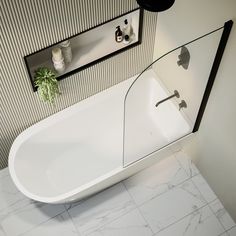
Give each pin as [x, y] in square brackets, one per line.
[29, 25]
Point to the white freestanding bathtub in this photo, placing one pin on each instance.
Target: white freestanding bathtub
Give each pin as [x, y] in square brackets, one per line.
[86, 147]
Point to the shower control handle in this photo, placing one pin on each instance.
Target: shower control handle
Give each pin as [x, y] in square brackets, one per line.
[182, 104]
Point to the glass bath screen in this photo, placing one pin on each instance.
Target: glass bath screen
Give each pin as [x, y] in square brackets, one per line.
[162, 104]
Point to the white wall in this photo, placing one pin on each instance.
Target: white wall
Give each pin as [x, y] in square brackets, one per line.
[213, 147]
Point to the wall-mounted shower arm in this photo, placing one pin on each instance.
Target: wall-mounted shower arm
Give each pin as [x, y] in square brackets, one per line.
[176, 94]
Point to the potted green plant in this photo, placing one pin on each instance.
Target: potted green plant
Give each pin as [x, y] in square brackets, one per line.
[47, 84]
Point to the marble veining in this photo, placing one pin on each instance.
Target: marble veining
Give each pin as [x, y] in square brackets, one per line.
[155, 180]
[101, 209]
[186, 163]
[60, 225]
[170, 207]
[232, 232]
[171, 198]
[130, 224]
[204, 188]
[201, 222]
[25, 215]
[222, 215]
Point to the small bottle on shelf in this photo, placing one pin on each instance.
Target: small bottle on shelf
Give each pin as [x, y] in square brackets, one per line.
[58, 60]
[118, 35]
[127, 29]
[126, 39]
[128, 34]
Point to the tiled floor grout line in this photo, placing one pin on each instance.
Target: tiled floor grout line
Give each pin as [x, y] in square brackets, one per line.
[136, 205]
[36, 226]
[180, 219]
[230, 229]
[225, 231]
[203, 196]
[11, 205]
[201, 193]
[216, 215]
[13, 211]
[75, 204]
[188, 179]
[71, 218]
[209, 204]
[177, 185]
[189, 175]
[139, 210]
[109, 222]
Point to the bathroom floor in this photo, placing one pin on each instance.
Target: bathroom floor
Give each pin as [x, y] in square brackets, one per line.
[170, 198]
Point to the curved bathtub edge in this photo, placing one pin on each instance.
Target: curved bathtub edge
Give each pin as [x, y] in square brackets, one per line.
[125, 172]
[101, 183]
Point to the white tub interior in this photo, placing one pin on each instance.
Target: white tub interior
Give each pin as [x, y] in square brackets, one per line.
[83, 144]
[147, 127]
[73, 147]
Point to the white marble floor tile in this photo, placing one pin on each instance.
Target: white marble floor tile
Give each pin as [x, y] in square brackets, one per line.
[204, 188]
[4, 172]
[187, 163]
[25, 215]
[127, 225]
[171, 206]
[60, 225]
[9, 194]
[155, 180]
[202, 222]
[101, 209]
[1, 232]
[222, 215]
[232, 232]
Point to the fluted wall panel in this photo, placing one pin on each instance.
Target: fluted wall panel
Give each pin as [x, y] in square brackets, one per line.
[30, 25]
